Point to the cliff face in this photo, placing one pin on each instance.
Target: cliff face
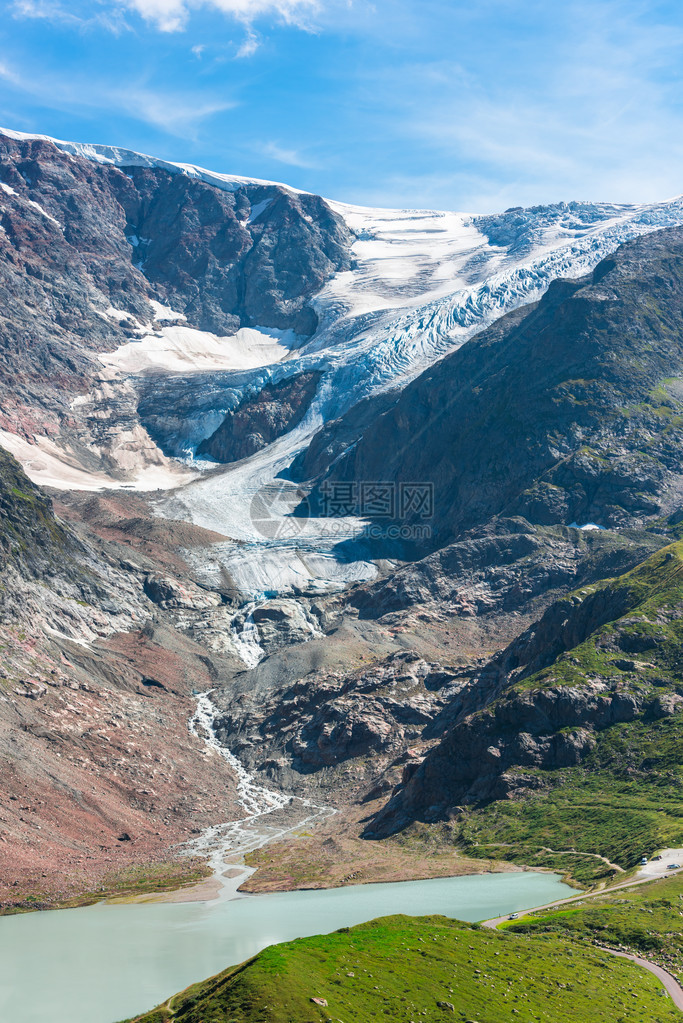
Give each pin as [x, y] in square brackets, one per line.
[590, 695]
[561, 412]
[259, 420]
[85, 246]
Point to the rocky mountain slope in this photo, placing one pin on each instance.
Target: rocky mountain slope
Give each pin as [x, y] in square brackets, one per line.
[577, 745]
[86, 250]
[237, 343]
[101, 781]
[590, 435]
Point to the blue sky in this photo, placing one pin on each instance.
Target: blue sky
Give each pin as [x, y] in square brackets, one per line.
[424, 103]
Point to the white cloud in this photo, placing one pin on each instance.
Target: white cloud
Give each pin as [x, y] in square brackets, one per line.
[249, 46]
[599, 117]
[58, 13]
[289, 156]
[9, 75]
[178, 113]
[172, 15]
[45, 10]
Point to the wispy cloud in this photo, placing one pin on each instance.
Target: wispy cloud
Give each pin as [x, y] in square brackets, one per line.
[446, 103]
[291, 157]
[173, 15]
[249, 46]
[177, 113]
[597, 117]
[57, 13]
[8, 75]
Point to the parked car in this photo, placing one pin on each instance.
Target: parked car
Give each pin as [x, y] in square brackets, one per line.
[673, 866]
[643, 861]
[656, 858]
[513, 916]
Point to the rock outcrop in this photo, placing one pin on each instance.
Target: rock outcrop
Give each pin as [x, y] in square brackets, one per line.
[260, 419]
[551, 699]
[504, 565]
[318, 725]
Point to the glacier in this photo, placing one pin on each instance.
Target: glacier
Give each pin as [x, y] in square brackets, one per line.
[422, 282]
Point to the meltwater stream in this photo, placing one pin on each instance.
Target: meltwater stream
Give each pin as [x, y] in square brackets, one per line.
[269, 814]
[106, 963]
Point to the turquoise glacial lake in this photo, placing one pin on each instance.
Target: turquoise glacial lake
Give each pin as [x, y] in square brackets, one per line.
[105, 963]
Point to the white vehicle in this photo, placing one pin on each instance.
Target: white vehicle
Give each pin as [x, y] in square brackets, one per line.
[643, 861]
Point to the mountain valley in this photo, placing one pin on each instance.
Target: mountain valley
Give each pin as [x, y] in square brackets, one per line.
[342, 543]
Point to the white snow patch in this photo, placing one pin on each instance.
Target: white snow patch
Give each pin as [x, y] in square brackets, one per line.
[258, 209]
[589, 526]
[48, 216]
[29, 202]
[178, 349]
[164, 313]
[116, 314]
[120, 315]
[48, 465]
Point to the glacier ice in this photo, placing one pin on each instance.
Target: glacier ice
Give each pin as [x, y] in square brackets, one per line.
[422, 283]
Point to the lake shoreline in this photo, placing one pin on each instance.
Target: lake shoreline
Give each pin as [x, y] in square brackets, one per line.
[122, 957]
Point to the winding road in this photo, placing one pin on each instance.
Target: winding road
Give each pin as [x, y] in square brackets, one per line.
[673, 988]
[654, 869]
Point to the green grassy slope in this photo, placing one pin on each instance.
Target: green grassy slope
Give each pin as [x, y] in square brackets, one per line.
[646, 920]
[425, 969]
[622, 798]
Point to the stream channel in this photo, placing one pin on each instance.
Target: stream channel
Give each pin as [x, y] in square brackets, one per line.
[107, 962]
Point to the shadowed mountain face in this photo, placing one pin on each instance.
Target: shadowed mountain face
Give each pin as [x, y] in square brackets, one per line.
[565, 411]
